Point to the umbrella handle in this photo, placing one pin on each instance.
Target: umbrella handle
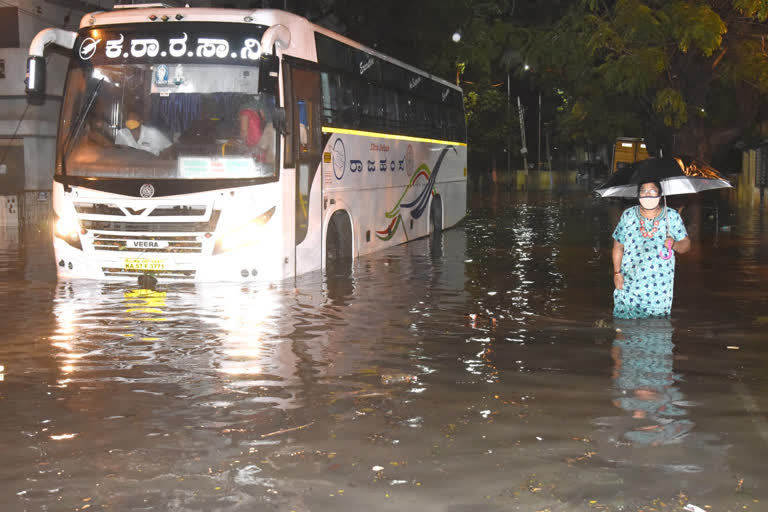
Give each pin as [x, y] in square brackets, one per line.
[669, 251]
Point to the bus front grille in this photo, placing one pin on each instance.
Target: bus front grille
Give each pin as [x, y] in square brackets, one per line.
[167, 244]
[122, 226]
[166, 274]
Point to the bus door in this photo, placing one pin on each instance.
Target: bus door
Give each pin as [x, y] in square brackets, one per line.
[307, 132]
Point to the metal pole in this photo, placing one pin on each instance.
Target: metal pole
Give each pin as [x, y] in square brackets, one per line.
[546, 139]
[509, 135]
[523, 150]
[538, 144]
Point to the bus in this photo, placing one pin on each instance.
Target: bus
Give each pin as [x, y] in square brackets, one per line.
[628, 150]
[203, 144]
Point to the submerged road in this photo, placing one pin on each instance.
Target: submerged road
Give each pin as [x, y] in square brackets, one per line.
[481, 374]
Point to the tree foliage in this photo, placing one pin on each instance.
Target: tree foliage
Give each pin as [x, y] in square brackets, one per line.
[689, 74]
[692, 72]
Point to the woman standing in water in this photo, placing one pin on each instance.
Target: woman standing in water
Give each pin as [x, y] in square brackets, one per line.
[645, 241]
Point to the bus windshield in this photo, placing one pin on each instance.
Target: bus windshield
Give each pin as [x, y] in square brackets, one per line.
[169, 121]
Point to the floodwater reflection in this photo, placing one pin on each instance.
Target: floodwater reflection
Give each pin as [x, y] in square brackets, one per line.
[478, 370]
[646, 384]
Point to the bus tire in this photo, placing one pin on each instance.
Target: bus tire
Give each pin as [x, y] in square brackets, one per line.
[338, 243]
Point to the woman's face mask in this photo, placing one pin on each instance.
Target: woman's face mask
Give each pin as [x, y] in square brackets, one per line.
[649, 203]
[132, 124]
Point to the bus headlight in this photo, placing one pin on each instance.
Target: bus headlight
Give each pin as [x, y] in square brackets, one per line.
[68, 229]
[247, 234]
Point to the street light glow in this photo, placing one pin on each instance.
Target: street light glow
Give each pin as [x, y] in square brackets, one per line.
[526, 67]
[456, 36]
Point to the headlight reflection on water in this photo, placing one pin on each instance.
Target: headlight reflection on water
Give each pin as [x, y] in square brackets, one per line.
[246, 319]
[204, 336]
[146, 301]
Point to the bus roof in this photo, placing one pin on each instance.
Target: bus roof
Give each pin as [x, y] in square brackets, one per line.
[301, 28]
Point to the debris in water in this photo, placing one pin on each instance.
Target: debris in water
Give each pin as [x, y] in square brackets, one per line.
[283, 431]
[398, 378]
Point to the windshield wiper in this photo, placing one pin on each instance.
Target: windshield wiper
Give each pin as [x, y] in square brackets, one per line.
[69, 143]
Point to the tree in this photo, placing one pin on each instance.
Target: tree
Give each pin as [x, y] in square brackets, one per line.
[489, 124]
[688, 75]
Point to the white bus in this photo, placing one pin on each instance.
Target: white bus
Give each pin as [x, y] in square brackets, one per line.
[219, 144]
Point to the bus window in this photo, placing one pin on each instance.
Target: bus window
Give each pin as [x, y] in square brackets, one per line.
[392, 112]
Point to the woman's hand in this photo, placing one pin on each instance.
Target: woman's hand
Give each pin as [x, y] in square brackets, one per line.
[618, 281]
[679, 246]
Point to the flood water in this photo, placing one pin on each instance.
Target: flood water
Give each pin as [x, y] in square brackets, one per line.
[483, 373]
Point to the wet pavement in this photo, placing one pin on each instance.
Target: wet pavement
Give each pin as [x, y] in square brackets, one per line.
[482, 373]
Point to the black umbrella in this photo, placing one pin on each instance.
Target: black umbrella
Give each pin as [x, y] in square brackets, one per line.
[676, 175]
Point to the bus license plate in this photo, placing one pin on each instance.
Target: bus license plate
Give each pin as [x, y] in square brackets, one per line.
[144, 264]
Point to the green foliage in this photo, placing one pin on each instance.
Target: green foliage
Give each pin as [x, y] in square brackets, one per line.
[695, 27]
[669, 104]
[638, 24]
[685, 67]
[749, 65]
[757, 9]
[486, 113]
[489, 125]
[635, 72]
[608, 68]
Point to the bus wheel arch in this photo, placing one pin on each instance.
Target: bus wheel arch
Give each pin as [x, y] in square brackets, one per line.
[339, 242]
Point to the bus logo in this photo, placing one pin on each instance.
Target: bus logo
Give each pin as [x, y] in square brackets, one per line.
[339, 159]
[88, 48]
[147, 190]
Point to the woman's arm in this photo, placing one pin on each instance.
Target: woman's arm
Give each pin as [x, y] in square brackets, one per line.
[682, 246]
[617, 255]
[677, 230]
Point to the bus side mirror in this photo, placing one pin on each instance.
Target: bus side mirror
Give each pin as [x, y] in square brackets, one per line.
[35, 80]
[268, 73]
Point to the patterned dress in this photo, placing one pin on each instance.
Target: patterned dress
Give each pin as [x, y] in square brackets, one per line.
[648, 279]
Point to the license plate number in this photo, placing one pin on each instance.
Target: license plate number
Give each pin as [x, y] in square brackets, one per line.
[144, 264]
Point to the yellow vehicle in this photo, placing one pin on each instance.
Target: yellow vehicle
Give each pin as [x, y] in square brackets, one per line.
[628, 150]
